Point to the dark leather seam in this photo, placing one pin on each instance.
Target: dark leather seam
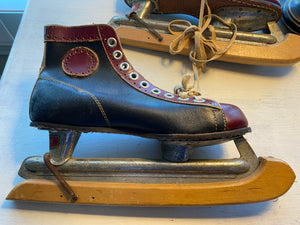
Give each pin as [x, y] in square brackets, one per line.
[215, 120]
[224, 120]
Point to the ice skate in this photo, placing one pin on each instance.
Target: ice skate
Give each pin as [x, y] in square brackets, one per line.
[86, 84]
[258, 39]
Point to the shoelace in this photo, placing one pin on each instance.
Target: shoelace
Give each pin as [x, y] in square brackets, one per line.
[202, 51]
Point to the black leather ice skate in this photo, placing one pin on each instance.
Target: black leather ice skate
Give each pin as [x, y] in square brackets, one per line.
[86, 84]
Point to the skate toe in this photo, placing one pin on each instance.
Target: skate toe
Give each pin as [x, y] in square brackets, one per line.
[235, 118]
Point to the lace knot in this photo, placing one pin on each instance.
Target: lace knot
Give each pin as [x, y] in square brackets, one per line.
[186, 89]
[202, 49]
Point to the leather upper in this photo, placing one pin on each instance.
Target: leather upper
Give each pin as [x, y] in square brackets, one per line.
[111, 93]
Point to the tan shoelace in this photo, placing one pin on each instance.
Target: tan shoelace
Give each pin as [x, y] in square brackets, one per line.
[202, 51]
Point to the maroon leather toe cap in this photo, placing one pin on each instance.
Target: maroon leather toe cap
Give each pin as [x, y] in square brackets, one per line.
[235, 118]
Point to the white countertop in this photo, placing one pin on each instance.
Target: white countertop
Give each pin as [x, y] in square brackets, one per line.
[269, 96]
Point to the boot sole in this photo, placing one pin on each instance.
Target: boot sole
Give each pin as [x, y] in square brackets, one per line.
[210, 138]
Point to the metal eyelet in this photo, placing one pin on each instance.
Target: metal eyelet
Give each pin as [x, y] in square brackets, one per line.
[124, 66]
[156, 91]
[144, 84]
[133, 76]
[169, 95]
[111, 42]
[199, 101]
[183, 99]
[117, 54]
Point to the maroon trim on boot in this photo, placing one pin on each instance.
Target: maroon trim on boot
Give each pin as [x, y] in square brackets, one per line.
[80, 62]
[71, 34]
[115, 54]
[235, 118]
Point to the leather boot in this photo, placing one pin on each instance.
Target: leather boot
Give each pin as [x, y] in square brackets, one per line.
[87, 84]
